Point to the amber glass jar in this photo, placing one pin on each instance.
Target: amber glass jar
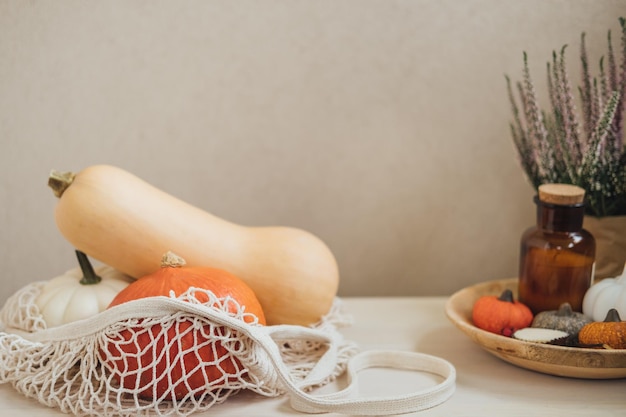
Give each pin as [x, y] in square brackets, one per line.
[556, 255]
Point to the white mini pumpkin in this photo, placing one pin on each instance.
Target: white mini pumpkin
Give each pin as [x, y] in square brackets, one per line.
[604, 295]
[79, 293]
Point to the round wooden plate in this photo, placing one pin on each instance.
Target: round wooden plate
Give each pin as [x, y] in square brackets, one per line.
[548, 359]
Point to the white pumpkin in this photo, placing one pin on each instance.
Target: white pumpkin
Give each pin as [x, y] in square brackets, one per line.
[604, 295]
[79, 293]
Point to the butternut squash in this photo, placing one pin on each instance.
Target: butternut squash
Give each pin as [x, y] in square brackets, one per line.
[121, 220]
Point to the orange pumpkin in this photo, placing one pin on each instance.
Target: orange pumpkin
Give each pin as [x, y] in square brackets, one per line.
[608, 333]
[137, 359]
[501, 315]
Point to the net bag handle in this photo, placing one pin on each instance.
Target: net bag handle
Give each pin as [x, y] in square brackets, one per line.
[345, 401]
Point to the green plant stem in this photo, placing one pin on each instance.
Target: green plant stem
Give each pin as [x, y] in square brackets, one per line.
[89, 275]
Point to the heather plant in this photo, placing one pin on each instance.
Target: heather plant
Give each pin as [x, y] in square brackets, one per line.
[583, 148]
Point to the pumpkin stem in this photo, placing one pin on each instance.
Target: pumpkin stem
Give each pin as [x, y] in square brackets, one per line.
[565, 310]
[171, 260]
[507, 295]
[89, 275]
[59, 181]
[612, 316]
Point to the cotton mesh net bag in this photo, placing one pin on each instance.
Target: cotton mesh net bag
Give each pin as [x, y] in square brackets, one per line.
[173, 355]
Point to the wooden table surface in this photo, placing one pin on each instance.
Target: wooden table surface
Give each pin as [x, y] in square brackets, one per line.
[486, 385]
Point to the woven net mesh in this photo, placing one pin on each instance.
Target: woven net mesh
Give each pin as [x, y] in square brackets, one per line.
[161, 356]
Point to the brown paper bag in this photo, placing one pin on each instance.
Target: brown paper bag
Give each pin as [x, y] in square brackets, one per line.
[610, 234]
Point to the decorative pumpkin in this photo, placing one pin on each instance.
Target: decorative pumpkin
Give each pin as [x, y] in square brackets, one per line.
[501, 315]
[127, 223]
[79, 293]
[604, 295]
[609, 333]
[135, 364]
[563, 319]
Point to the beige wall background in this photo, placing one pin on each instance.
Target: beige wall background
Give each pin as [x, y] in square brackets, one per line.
[380, 126]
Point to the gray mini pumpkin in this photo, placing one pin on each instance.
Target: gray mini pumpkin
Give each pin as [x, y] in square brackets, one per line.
[564, 319]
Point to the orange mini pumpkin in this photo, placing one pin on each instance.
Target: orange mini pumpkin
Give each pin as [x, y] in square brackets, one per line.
[608, 333]
[501, 315]
[137, 359]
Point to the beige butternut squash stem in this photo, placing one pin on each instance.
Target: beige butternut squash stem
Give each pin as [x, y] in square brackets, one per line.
[89, 275]
[59, 181]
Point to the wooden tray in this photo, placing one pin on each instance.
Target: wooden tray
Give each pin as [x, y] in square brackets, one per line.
[548, 359]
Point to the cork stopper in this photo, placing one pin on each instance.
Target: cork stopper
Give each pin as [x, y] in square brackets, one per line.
[561, 194]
